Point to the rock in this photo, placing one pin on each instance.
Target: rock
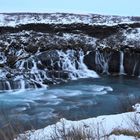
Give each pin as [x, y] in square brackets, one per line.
[132, 63]
[48, 82]
[89, 60]
[112, 57]
[114, 62]
[8, 75]
[31, 49]
[1, 65]
[11, 60]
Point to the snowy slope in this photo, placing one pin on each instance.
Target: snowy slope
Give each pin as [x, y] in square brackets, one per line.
[14, 19]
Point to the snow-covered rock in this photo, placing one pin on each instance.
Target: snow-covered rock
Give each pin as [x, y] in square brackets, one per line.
[137, 107]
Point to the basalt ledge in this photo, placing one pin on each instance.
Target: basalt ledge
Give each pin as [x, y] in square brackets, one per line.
[37, 50]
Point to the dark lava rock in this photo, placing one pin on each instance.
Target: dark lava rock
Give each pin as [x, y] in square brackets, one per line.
[31, 49]
[8, 75]
[114, 62]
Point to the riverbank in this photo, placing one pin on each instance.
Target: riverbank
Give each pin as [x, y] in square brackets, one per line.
[125, 126]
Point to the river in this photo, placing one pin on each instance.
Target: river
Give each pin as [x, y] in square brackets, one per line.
[74, 100]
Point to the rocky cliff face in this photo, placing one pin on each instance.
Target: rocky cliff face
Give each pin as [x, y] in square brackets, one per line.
[41, 49]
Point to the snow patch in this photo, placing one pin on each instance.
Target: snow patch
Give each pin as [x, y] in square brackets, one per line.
[137, 107]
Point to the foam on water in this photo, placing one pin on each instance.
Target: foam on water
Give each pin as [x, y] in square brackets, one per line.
[65, 92]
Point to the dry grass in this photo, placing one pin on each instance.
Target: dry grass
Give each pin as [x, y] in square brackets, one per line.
[126, 132]
[11, 130]
[134, 127]
[83, 132]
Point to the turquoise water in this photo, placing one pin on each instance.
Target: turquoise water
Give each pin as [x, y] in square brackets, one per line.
[74, 100]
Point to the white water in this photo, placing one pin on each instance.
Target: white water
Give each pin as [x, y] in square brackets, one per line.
[48, 99]
[74, 64]
[121, 63]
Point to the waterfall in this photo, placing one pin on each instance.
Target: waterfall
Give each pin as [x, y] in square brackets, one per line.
[2, 58]
[102, 60]
[73, 62]
[22, 84]
[83, 70]
[8, 85]
[65, 65]
[121, 63]
[134, 69]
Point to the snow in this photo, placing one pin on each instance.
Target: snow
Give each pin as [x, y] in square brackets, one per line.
[133, 35]
[80, 37]
[101, 124]
[121, 137]
[61, 18]
[137, 107]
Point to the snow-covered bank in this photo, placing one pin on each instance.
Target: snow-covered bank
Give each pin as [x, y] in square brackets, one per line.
[100, 126]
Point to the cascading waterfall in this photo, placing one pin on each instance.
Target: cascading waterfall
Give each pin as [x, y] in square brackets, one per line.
[60, 65]
[121, 63]
[38, 75]
[72, 62]
[83, 70]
